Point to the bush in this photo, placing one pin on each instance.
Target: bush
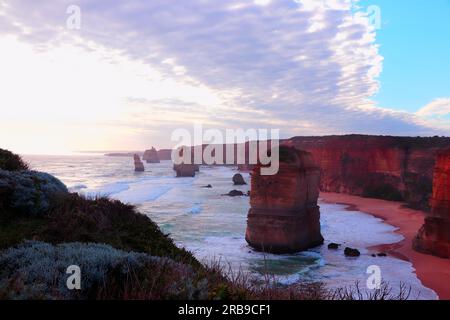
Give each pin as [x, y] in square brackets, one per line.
[74, 218]
[11, 162]
[37, 270]
[28, 192]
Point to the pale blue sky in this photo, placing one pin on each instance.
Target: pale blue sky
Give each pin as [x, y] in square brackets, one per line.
[415, 42]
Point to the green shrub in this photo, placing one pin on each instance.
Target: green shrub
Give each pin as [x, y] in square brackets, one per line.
[11, 162]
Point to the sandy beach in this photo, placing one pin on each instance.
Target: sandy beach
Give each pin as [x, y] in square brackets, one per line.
[432, 271]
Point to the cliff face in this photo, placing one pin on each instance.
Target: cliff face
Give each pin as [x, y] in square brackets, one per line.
[151, 156]
[284, 216]
[434, 236]
[165, 154]
[391, 168]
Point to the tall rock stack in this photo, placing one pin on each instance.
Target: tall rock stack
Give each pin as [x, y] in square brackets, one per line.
[284, 216]
[151, 156]
[138, 165]
[434, 236]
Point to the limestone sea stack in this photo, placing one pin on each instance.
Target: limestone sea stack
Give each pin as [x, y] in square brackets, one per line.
[186, 170]
[138, 165]
[238, 180]
[284, 216]
[434, 236]
[151, 156]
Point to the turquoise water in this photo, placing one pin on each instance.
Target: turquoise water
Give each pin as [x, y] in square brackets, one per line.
[212, 226]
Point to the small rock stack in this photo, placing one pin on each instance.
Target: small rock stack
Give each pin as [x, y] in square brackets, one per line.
[284, 216]
[238, 180]
[138, 165]
[434, 236]
[186, 170]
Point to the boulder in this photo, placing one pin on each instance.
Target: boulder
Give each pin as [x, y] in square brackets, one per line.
[434, 236]
[333, 246]
[350, 252]
[238, 180]
[235, 193]
[284, 216]
[151, 156]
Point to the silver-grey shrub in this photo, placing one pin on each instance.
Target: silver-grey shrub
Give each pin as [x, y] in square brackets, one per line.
[29, 192]
[37, 270]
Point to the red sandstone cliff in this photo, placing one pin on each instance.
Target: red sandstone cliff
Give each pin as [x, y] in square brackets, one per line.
[151, 156]
[165, 154]
[391, 168]
[434, 236]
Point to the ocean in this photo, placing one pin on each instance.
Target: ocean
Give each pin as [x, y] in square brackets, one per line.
[212, 226]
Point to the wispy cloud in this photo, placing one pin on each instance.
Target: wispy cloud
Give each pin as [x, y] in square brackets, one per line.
[309, 67]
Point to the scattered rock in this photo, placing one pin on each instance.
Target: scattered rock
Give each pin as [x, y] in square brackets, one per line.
[374, 255]
[208, 186]
[350, 252]
[238, 180]
[234, 193]
[382, 254]
[333, 246]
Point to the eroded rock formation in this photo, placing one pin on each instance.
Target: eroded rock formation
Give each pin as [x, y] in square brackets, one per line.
[151, 156]
[391, 168]
[284, 216]
[384, 167]
[186, 170]
[434, 236]
[138, 165]
[238, 180]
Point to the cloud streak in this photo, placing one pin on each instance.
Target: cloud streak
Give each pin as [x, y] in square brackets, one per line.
[308, 67]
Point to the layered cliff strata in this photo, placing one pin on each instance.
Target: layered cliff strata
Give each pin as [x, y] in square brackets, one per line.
[284, 216]
[434, 236]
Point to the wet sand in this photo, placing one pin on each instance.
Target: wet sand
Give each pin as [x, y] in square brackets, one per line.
[432, 271]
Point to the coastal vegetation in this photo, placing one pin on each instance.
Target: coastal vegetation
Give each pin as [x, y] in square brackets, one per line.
[122, 253]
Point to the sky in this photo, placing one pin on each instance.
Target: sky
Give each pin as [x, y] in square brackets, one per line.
[134, 71]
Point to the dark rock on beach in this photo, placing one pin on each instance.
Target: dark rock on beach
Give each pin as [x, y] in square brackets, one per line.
[235, 193]
[333, 246]
[350, 252]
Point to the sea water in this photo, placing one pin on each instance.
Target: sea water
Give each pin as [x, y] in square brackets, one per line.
[212, 225]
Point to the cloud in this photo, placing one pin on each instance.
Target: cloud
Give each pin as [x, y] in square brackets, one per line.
[306, 67]
[439, 107]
